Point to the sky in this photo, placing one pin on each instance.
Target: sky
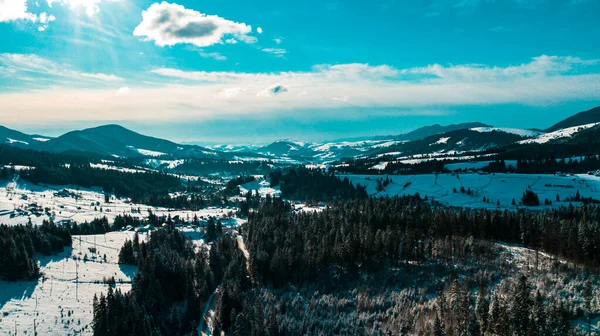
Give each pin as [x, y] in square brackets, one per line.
[255, 71]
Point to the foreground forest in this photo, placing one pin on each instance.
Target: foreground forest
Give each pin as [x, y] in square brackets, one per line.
[397, 266]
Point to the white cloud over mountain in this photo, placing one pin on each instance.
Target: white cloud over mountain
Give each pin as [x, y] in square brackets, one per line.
[168, 24]
[176, 94]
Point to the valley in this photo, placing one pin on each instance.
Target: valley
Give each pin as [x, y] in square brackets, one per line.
[214, 210]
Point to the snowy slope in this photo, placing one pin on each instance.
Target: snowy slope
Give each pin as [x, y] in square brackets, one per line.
[563, 133]
[494, 187]
[517, 131]
[60, 302]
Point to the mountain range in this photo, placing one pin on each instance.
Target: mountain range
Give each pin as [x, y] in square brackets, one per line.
[118, 141]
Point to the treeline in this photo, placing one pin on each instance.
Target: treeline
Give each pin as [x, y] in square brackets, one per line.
[292, 248]
[200, 166]
[315, 185]
[520, 310]
[170, 288]
[365, 166]
[232, 186]
[147, 187]
[19, 243]
[548, 165]
[10, 155]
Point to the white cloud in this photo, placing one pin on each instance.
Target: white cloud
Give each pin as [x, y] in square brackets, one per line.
[14, 10]
[340, 99]
[273, 90]
[539, 66]
[278, 40]
[91, 7]
[101, 76]
[27, 64]
[259, 30]
[278, 52]
[214, 55]
[231, 92]
[168, 24]
[124, 90]
[190, 95]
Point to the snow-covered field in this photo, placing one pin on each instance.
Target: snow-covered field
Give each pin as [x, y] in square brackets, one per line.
[263, 187]
[60, 301]
[16, 199]
[495, 188]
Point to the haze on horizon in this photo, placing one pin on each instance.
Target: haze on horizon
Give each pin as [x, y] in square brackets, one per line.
[255, 72]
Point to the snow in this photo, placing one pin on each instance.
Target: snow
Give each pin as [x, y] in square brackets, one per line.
[17, 141]
[14, 208]
[476, 165]
[121, 169]
[41, 139]
[263, 187]
[517, 131]
[380, 165]
[494, 187]
[170, 164]
[563, 133]
[18, 167]
[442, 140]
[146, 152]
[66, 285]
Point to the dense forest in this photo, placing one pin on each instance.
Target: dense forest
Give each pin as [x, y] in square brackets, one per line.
[170, 288]
[10, 155]
[292, 247]
[320, 273]
[315, 185]
[390, 266]
[549, 165]
[152, 188]
[18, 245]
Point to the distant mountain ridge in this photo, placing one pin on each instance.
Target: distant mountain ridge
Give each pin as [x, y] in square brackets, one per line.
[16, 138]
[581, 118]
[426, 131]
[118, 141]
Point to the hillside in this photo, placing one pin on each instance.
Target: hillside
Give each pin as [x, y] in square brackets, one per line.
[16, 138]
[115, 140]
[424, 132]
[581, 118]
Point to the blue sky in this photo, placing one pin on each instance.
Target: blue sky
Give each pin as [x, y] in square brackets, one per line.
[255, 71]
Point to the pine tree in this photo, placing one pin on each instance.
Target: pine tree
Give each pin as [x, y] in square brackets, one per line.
[539, 320]
[482, 309]
[438, 330]
[521, 307]
[587, 297]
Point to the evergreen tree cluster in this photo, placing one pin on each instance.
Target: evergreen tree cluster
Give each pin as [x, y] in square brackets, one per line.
[18, 244]
[147, 187]
[547, 165]
[231, 188]
[295, 247]
[519, 311]
[169, 289]
[315, 185]
[530, 198]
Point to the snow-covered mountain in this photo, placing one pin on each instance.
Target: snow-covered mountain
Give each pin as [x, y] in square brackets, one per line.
[117, 141]
[558, 134]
